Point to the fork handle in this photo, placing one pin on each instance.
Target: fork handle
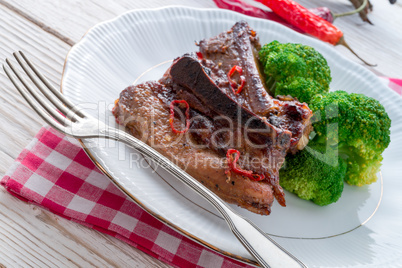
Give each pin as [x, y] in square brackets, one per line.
[264, 249]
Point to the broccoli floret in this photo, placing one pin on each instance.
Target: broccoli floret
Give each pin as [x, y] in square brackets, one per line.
[353, 126]
[358, 126]
[304, 89]
[294, 69]
[315, 173]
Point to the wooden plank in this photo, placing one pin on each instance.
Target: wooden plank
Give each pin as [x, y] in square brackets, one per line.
[31, 236]
[47, 52]
[74, 17]
[378, 43]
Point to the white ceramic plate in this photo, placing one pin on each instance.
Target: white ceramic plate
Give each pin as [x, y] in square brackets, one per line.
[361, 229]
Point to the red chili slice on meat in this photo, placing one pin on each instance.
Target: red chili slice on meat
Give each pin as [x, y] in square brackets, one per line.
[187, 113]
[233, 166]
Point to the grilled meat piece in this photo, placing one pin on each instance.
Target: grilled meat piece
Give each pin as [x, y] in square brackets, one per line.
[266, 141]
[144, 110]
[239, 46]
[189, 73]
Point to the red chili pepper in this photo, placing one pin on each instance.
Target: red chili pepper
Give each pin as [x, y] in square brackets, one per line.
[302, 18]
[234, 84]
[309, 22]
[171, 119]
[233, 167]
[199, 55]
[299, 18]
[324, 13]
[250, 10]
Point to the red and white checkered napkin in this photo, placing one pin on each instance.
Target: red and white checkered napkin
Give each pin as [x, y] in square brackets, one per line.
[54, 172]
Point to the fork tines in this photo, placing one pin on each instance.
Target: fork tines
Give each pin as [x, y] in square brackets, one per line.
[51, 105]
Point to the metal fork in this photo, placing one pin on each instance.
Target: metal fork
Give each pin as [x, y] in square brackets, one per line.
[62, 115]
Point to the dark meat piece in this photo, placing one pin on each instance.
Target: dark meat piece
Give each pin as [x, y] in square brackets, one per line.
[144, 111]
[274, 142]
[189, 73]
[239, 46]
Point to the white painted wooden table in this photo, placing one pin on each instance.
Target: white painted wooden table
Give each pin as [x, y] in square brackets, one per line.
[46, 29]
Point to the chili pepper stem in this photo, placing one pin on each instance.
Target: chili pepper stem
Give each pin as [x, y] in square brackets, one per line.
[363, 13]
[357, 10]
[343, 43]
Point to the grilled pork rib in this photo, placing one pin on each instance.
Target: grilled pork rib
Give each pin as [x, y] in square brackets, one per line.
[265, 142]
[220, 119]
[239, 46]
[144, 110]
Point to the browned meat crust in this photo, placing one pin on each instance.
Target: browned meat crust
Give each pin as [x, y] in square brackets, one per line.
[240, 46]
[143, 110]
[189, 73]
[268, 142]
